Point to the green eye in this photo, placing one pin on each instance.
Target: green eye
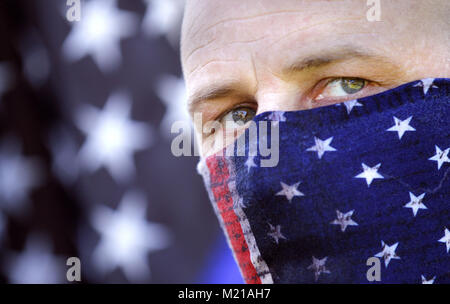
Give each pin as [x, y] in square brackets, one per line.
[343, 87]
[242, 115]
[352, 85]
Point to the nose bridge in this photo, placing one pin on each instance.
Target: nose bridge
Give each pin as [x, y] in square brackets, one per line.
[273, 93]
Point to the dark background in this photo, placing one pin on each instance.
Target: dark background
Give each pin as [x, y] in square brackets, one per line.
[41, 92]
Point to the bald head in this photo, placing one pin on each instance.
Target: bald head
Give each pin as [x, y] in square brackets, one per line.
[266, 55]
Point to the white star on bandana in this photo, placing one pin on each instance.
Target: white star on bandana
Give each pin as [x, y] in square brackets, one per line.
[344, 220]
[440, 157]
[349, 105]
[401, 126]
[370, 173]
[318, 266]
[430, 281]
[388, 253]
[426, 83]
[415, 203]
[321, 146]
[446, 239]
[290, 191]
[275, 233]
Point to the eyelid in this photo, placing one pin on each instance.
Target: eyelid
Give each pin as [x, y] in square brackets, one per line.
[322, 85]
[312, 95]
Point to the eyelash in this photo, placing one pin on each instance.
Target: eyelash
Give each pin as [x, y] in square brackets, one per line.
[316, 93]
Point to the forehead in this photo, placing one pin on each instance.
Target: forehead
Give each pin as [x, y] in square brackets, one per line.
[236, 29]
[219, 34]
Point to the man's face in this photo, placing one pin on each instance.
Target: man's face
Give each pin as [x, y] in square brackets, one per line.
[242, 58]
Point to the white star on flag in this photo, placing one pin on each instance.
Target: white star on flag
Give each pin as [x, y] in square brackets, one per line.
[318, 266]
[171, 90]
[370, 173]
[415, 203]
[127, 237]
[350, 104]
[112, 137]
[290, 191]
[321, 146]
[426, 83]
[275, 233]
[446, 239]
[425, 281]
[344, 220]
[440, 157]
[18, 176]
[401, 126]
[99, 32]
[36, 264]
[163, 17]
[388, 253]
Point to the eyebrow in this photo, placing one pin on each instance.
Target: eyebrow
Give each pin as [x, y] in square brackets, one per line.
[234, 88]
[215, 91]
[324, 59]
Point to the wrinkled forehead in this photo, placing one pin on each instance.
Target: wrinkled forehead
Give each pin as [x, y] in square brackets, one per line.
[236, 30]
[217, 34]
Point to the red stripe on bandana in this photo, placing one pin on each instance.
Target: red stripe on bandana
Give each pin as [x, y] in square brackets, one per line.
[219, 175]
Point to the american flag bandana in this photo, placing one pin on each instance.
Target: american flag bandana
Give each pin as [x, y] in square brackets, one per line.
[368, 178]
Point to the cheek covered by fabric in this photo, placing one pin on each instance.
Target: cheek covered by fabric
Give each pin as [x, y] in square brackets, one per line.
[364, 179]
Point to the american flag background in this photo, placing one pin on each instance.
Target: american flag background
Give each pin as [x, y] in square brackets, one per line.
[85, 163]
